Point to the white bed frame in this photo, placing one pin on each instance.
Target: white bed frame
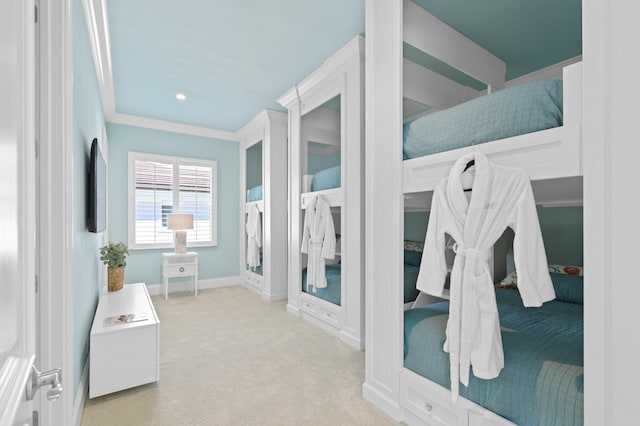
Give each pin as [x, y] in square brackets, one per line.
[552, 158]
[270, 128]
[342, 74]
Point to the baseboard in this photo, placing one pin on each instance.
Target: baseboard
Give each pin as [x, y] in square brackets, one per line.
[275, 296]
[81, 395]
[293, 309]
[158, 289]
[383, 402]
[354, 342]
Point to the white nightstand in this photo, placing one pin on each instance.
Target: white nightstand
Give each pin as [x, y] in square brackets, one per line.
[179, 265]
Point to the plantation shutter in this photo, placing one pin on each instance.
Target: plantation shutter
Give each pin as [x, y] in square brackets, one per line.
[153, 201]
[195, 198]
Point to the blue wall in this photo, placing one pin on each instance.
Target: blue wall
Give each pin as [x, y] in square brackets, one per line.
[415, 225]
[146, 265]
[562, 232]
[88, 123]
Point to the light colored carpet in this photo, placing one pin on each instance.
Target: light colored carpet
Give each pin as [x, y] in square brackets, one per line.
[228, 357]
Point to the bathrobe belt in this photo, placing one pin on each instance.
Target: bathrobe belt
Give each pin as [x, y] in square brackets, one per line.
[464, 306]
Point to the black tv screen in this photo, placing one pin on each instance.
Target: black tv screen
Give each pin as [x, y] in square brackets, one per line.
[97, 189]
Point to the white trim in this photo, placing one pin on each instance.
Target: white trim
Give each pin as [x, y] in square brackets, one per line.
[175, 161]
[552, 71]
[388, 406]
[168, 126]
[97, 21]
[95, 13]
[158, 289]
[335, 62]
[56, 204]
[81, 395]
[427, 33]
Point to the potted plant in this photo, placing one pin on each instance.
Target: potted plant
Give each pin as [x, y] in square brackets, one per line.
[114, 255]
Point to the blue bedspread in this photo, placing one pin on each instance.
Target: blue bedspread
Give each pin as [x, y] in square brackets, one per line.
[331, 293]
[255, 193]
[326, 179]
[526, 108]
[542, 382]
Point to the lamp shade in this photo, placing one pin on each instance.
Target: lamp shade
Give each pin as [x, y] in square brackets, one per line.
[180, 221]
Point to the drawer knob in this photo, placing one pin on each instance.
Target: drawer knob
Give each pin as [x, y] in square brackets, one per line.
[182, 269]
[428, 406]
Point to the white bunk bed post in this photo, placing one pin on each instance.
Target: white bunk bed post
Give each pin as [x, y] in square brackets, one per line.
[341, 74]
[384, 200]
[270, 128]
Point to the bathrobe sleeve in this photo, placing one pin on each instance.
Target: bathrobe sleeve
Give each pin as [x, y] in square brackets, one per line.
[534, 283]
[329, 242]
[433, 267]
[258, 226]
[305, 233]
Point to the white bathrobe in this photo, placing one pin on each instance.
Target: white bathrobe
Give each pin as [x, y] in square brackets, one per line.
[318, 241]
[254, 236]
[501, 198]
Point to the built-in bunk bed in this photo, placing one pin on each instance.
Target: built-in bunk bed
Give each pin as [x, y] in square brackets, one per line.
[326, 154]
[263, 179]
[407, 371]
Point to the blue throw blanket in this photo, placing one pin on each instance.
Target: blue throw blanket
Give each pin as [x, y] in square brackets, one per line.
[542, 382]
[526, 108]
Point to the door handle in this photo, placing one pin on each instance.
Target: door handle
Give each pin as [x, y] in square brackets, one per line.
[51, 378]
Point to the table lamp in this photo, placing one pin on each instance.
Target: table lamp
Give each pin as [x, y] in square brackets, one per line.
[179, 223]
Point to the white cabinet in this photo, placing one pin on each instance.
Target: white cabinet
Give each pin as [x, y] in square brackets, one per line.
[176, 265]
[126, 354]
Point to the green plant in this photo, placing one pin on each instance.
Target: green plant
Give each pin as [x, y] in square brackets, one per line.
[114, 255]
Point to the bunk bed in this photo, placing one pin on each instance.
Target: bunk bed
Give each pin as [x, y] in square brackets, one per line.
[326, 112]
[403, 380]
[263, 179]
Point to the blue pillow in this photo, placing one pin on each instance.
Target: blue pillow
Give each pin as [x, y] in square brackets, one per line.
[412, 257]
[326, 179]
[569, 288]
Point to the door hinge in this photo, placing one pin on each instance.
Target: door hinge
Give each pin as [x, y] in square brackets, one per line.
[37, 148]
[37, 284]
[35, 7]
[36, 419]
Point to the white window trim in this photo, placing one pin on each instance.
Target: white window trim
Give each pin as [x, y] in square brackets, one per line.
[141, 156]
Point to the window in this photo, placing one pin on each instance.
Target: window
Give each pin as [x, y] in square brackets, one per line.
[160, 185]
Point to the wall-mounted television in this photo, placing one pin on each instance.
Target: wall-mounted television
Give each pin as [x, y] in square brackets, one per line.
[97, 221]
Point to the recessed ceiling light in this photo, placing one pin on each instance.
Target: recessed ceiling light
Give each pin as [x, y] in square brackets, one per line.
[181, 96]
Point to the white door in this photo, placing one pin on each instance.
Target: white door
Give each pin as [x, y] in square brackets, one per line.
[17, 217]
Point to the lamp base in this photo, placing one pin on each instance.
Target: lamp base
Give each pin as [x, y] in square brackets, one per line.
[180, 241]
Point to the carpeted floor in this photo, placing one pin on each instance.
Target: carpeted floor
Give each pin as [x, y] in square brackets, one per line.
[228, 357]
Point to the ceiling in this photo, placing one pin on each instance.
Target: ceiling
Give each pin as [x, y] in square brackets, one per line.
[233, 58]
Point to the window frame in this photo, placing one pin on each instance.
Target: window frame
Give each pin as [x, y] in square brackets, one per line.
[175, 161]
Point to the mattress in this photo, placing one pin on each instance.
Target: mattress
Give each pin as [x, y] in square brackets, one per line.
[526, 108]
[255, 194]
[332, 292]
[542, 382]
[326, 179]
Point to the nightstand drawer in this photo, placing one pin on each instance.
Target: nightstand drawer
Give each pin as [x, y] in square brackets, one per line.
[180, 270]
[180, 258]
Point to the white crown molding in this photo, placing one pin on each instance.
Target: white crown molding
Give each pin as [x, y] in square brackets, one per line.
[253, 130]
[95, 13]
[352, 50]
[168, 126]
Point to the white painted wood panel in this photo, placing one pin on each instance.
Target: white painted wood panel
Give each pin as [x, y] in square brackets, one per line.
[270, 128]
